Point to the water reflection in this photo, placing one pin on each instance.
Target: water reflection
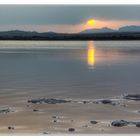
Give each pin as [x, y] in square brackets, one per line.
[91, 55]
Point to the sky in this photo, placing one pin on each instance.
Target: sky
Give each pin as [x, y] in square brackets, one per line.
[67, 18]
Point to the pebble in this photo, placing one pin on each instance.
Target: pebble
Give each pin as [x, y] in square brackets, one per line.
[11, 128]
[5, 110]
[85, 102]
[71, 129]
[135, 97]
[35, 110]
[93, 122]
[48, 101]
[45, 133]
[138, 124]
[55, 121]
[119, 123]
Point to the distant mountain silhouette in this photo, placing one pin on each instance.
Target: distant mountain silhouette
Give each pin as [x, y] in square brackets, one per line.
[123, 33]
[131, 28]
[98, 30]
[12, 33]
[24, 33]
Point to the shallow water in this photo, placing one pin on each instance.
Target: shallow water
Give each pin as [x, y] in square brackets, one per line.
[70, 69]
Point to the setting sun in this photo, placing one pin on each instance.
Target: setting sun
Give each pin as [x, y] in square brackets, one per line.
[91, 22]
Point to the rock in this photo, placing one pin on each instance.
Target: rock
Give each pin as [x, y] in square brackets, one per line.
[5, 110]
[55, 101]
[135, 97]
[71, 129]
[35, 110]
[45, 133]
[119, 123]
[85, 102]
[48, 101]
[93, 122]
[138, 124]
[11, 128]
[110, 102]
[55, 121]
[35, 101]
[55, 117]
[106, 101]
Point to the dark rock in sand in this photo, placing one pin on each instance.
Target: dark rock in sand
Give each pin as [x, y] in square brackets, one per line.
[35, 110]
[55, 117]
[85, 102]
[5, 110]
[138, 124]
[11, 128]
[55, 121]
[108, 102]
[103, 102]
[138, 111]
[48, 101]
[36, 101]
[135, 97]
[45, 133]
[119, 123]
[71, 129]
[93, 122]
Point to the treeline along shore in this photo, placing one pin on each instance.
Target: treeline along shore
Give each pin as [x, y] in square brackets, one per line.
[24, 35]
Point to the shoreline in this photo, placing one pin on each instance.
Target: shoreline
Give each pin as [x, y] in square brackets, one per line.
[68, 118]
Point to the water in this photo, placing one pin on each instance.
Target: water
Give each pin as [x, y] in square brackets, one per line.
[70, 69]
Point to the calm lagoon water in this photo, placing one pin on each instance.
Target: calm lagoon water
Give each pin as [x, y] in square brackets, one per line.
[70, 69]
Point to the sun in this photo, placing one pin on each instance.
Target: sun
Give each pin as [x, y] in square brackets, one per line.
[91, 22]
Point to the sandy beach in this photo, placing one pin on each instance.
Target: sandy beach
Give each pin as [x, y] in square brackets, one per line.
[66, 92]
[74, 117]
[69, 69]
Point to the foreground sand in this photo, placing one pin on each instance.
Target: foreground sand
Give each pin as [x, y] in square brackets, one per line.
[55, 119]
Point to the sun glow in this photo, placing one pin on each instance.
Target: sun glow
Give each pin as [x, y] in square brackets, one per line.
[91, 22]
[91, 55]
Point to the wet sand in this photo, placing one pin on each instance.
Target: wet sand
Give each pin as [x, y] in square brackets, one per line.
[55, 119]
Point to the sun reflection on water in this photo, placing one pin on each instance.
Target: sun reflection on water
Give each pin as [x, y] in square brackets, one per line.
[91, 55]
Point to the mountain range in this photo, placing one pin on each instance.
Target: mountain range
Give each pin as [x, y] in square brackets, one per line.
[123, 33]
[131, 28]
